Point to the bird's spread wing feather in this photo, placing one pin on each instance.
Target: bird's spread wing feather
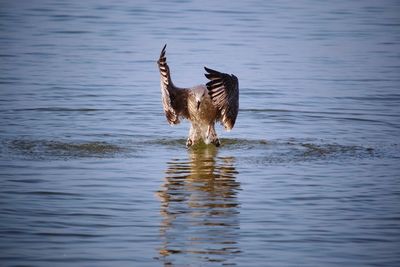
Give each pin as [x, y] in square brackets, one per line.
[224, 92]
[174, 99]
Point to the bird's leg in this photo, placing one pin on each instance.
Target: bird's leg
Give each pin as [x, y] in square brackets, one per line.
[190, 139]
[212, 135]
[216, 142]
[207, 138]
[189, 142]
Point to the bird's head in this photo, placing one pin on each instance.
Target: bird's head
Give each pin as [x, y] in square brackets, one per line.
[199, 94]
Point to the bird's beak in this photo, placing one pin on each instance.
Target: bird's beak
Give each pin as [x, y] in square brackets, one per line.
[198, 105]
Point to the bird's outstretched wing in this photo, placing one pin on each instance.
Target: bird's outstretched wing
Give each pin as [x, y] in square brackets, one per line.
[174, 99]
[224, 92]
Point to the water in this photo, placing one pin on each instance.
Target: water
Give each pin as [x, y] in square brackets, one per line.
[92, 175]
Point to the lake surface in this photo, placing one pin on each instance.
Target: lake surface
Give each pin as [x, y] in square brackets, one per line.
[91, 174]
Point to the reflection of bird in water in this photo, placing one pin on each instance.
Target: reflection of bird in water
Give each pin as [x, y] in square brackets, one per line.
[199, 208]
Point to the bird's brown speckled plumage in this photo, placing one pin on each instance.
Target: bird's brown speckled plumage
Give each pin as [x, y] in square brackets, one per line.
[203, 105]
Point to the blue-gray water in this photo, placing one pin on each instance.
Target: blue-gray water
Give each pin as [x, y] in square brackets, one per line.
[92, 175]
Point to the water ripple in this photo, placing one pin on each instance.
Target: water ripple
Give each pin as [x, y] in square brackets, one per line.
[46, 149]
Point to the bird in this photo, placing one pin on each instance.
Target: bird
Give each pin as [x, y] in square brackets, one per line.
[203, 105]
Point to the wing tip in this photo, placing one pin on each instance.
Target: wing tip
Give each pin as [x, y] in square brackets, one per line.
[162, 54]
[228, 125]
[211, 74]
[235, 78]
[210, 71]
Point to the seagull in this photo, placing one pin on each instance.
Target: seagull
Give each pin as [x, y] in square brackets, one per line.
[202, 105]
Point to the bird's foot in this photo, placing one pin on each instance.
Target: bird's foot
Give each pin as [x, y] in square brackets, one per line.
[189, 143]
[216, 142]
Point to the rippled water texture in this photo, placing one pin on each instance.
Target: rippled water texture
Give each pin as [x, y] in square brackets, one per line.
[92, 175]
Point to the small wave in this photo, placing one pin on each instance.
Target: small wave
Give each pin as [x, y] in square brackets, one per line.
[44, 149]
[62, 109]
[297, 151]
[225, 142]
[282, 151]
[168, 142]
[256, 150]
[71, 32]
